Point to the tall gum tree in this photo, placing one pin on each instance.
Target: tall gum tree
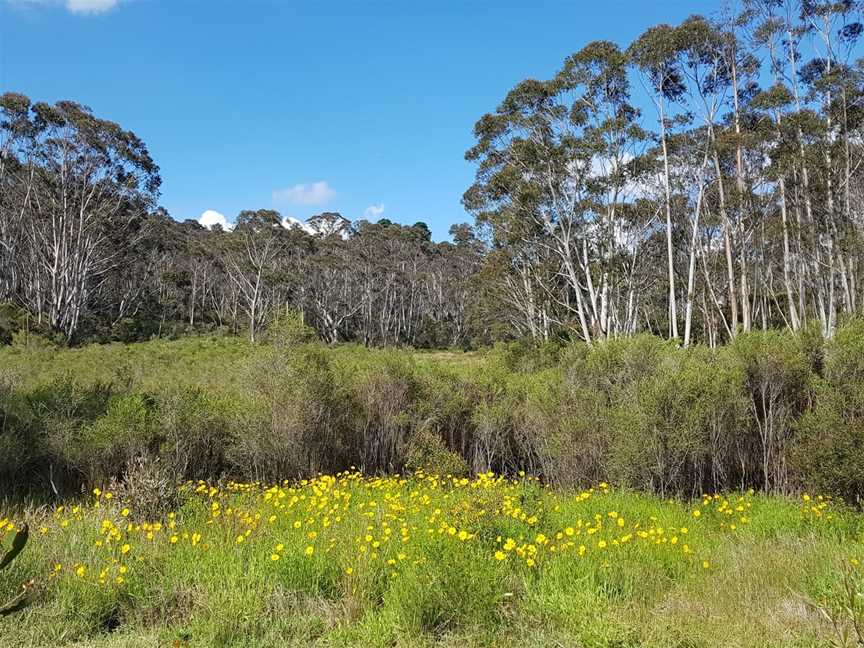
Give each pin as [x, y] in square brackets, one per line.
[553, 169]
[657, 53]
[86, 179]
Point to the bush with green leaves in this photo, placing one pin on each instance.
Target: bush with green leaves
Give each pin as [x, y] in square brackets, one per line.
[21, 599]
[829, 449]
[426, 451]
[289, 330]
[773, 411]
[296, 420]
[778, 369]
[12, 320]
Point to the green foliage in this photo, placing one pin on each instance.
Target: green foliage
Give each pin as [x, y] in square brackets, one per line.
[19, 541]
[773, 411]
[189, 580]
[422, 603]
[125, 431]
[20, 600]
[20, 446]
[197, 428]
[829, 454]
[12, 320]
[385, 396]
[778, 369]
[290, 330]
[295, 425]
[427, 452]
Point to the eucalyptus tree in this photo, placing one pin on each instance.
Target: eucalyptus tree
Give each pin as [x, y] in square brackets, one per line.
[553, 173]
[519, 279]
[776, 30]
[450, 288]
[135, 295]
[657, 53]
[743, 69]
[813, 106]
[848, 80]
[201, 269]
[817, 18]
[595, 82]
[16, 171]
[331, 291]
[252, 251]
[784, 19]
[829, 80]
[705, 79]
[87, 179]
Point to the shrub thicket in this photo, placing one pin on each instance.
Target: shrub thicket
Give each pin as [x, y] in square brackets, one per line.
[771, 411]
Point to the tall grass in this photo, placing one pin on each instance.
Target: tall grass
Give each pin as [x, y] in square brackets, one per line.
[431, 559]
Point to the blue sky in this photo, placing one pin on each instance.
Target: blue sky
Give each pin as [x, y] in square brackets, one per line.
[305, 107]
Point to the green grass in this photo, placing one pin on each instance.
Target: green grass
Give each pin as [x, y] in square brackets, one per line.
[774, 578]
[414, 562]
[148, 365]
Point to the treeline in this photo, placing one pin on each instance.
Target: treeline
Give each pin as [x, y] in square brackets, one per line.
[86, 255]
[734, 202]
[773, 411]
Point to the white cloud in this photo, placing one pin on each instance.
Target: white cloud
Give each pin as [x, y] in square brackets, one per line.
[373, 211]
[315, 193]
[211, 217]
[289, 222]
[90, 6]
[83, 7]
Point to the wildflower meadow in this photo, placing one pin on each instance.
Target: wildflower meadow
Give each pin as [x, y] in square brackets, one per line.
[426, 559]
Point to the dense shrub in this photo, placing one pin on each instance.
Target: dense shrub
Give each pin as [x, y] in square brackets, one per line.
[59, 414]
[289, 331]
[426, 451]
[12, 320]
[829, 454]
[638, 412]
[296, 424]
[595, 416]
[570, 428]
[383, 419]
[106, 448]
[502, 442]
[683, 418]
[772, 411]
[446, 404]
[22, 450]
[778, 368]
[197, 430]
[149, 487]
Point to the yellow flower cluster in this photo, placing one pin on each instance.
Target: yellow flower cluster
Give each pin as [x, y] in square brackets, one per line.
[730, 513]
[384, 525]
[817, 508]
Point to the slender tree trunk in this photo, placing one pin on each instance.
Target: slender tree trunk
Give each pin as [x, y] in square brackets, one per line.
[787, 272]
[741, 185]
[727, 248]
[673, 308]
[694, 244]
